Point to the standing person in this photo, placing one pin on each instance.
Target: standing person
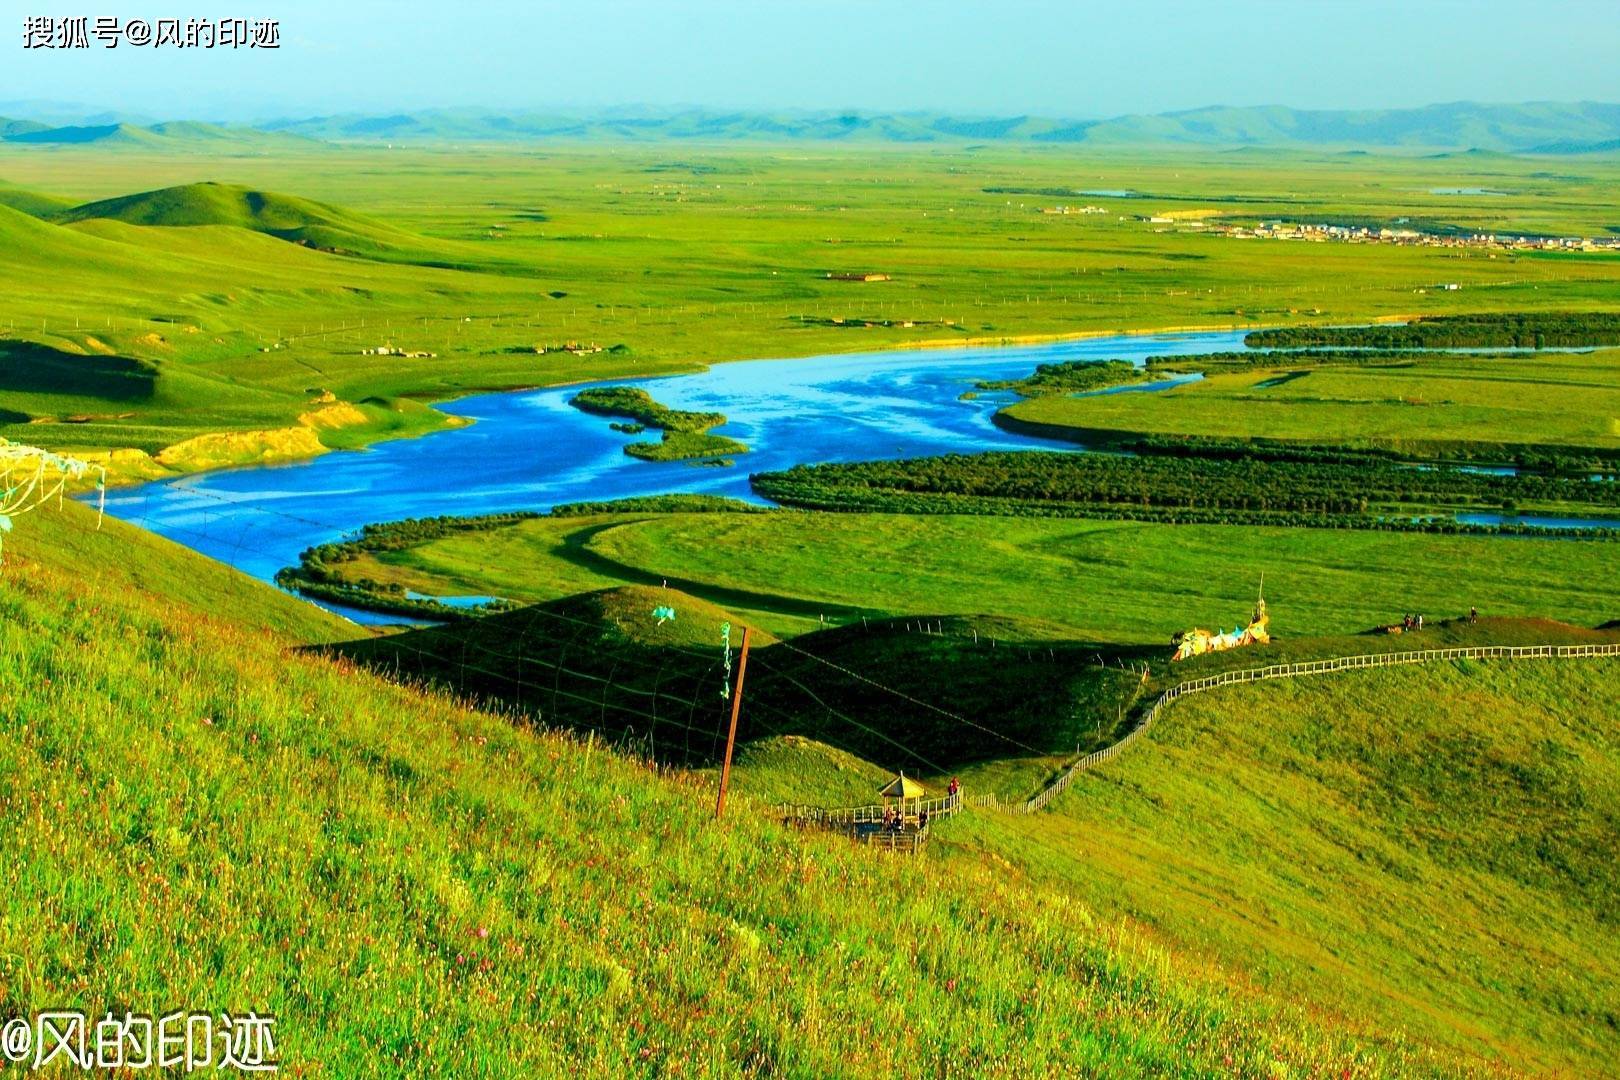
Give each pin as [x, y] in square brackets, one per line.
[922, 820]
[1473, 615]
[954, 789]
[1420, 621]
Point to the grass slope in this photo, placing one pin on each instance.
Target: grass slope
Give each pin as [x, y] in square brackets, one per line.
[73, 542]
[285, 217]
[33, 203]
[196, 815]
[602, 662]
[1433, 845]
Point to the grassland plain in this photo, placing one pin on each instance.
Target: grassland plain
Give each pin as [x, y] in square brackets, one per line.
[275, 830]
[1104, 581]
[1432, 407]
[198, 817]
[707, 256]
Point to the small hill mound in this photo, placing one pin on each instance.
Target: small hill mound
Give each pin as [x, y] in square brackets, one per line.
[285, 217]
[626, 614]
[934, 693]
[603, 661]
[599, 662]
[32, 203]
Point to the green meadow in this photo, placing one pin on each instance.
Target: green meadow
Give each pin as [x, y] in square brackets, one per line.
[471, 850]
[478, 255]
[1104, 581]
[1430, 407]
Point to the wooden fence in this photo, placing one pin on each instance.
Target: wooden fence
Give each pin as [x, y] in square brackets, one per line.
[851, 816]
[1291, 671]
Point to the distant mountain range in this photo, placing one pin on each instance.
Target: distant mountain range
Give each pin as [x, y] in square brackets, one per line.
[1539, 127]
[175, 135]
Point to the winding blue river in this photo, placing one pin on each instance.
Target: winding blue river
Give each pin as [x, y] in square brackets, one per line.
[530, 449]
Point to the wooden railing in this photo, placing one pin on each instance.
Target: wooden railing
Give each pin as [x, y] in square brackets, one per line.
[849, 816]
[1291, 671]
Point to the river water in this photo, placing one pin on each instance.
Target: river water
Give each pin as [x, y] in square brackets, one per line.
[531, 450]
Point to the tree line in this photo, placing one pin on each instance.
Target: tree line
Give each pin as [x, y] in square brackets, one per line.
[1359, 492]
[1516, 330]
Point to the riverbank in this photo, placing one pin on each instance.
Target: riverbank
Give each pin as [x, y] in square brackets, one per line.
[253, 447]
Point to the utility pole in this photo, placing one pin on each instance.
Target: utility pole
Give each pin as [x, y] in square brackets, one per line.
[731, 738]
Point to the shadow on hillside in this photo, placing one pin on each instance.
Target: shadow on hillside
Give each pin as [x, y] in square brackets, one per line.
[926, 695]
[27, 367]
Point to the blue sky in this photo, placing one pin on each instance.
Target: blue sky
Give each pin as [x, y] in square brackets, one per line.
[1077, 59]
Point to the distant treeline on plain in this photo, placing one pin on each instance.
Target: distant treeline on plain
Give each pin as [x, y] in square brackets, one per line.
[1524, 330]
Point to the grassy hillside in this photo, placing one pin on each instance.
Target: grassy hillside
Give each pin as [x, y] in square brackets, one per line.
[411, 887]
[103, 135]
[73, 544]
[605, 662]
[31, 202]
[286, 217]
[1433, 844]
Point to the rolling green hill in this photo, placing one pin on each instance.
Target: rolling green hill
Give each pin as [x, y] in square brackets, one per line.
[212, 817]
[1433, 844]
[10, 127]
[33, 203]
[603, 662]
[108, 135]
[285, 217]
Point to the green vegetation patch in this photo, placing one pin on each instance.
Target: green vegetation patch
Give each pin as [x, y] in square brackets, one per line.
[1522, 330]
[1072, 376]
[639, 405]
[1361, 493]
[685, 446]
[1524, 409]
[686, 434]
